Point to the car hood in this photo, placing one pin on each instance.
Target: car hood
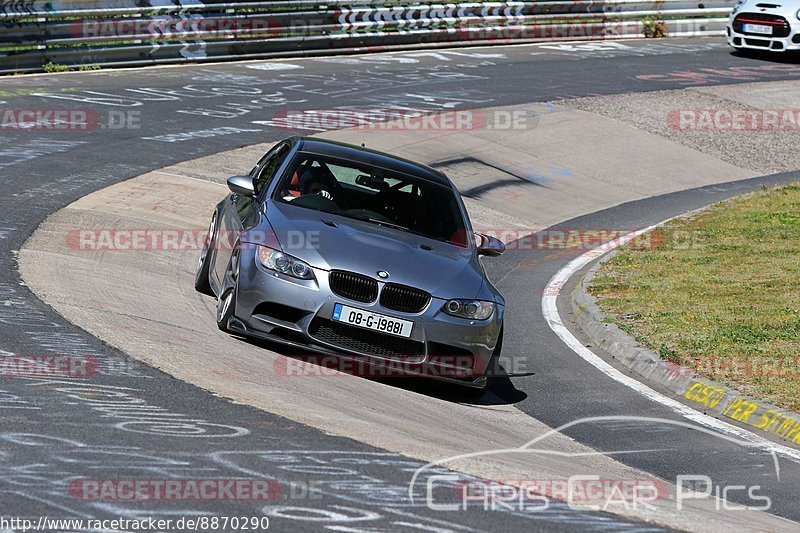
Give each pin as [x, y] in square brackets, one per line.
[445, 271]
[784, 8]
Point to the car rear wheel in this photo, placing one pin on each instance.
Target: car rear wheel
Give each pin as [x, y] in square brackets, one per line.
[201, 283]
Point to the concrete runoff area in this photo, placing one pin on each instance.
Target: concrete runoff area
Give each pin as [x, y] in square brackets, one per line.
[144, 302]
[752, 126]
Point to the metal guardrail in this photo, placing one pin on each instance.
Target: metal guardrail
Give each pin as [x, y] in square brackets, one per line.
[79, 33]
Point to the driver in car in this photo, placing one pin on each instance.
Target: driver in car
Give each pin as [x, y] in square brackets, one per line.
[310, 180]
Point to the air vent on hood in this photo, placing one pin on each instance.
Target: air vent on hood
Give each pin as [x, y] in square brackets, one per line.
[769, 6]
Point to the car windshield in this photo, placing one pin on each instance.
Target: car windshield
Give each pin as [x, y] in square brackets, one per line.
[374, 195]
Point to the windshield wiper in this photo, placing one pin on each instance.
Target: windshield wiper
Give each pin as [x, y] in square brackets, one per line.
[377, 221]
[387, 224]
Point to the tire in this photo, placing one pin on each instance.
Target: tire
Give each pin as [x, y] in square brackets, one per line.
[201, 283]
[225, 306]
[226, 303]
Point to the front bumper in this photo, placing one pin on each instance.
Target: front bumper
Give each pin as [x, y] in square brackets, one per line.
[299, 313]
[751, 41]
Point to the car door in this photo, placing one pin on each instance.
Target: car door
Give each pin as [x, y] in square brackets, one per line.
[240, 212]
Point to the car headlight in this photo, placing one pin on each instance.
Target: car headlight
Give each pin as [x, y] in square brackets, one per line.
[472, 309]
[285, 264]
[738, 5]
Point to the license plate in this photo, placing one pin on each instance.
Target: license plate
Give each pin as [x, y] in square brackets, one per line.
[374, 321]
[758, 28]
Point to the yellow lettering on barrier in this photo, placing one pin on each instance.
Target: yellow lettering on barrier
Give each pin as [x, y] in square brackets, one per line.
[785, 427]
[689, 394]
[740, 409]
[732, 406]
[767, 419]
[704, 394]
[794, 433]
[788, 429]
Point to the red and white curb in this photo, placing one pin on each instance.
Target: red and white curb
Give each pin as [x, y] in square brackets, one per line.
[553, 318]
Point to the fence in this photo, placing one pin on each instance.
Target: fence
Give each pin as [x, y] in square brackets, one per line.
[79, 33]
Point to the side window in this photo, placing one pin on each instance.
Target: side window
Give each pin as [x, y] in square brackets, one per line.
[267, 167]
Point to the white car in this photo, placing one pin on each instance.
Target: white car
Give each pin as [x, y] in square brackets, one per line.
[765, 25]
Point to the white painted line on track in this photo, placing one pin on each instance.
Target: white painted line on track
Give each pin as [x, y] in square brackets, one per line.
[551, 315]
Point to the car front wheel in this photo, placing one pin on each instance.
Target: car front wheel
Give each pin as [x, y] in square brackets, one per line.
[225, 306]
[201, 283]
[226, 303]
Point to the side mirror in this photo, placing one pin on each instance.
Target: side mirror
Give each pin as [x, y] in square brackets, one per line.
[242, 185]
[491, 246]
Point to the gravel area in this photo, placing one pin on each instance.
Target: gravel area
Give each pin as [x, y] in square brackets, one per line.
[756, 149]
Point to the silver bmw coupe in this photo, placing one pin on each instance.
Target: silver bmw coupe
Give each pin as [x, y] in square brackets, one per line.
[356, 255]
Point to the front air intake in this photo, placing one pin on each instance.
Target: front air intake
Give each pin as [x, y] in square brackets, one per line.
[404, 298]
[353, 286]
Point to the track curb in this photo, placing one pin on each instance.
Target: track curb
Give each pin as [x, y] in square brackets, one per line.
[709, 397]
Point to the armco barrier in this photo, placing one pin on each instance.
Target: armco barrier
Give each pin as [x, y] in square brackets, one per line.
[138, 32]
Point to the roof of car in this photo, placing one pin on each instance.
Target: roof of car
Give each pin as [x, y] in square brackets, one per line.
[359, 154]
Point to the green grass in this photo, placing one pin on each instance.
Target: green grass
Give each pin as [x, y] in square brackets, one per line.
[51, 67]
[718, 292]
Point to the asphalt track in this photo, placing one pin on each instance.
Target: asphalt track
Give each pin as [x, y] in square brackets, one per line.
[52, 434]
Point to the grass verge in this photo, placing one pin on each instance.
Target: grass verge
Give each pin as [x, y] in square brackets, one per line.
[718, 292]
